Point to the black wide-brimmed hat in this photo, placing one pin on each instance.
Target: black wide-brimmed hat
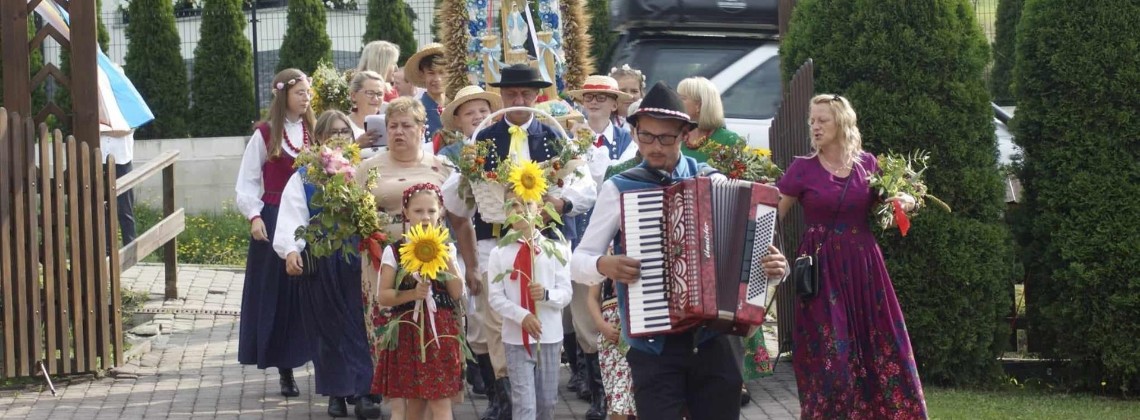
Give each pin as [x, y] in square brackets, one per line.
[661, 102]
[521, 75]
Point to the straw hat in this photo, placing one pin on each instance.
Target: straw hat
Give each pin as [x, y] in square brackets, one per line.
[465, 95]
[412, 71]
[599, 84]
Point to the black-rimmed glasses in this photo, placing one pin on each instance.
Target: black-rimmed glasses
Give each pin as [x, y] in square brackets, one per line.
[664, 139]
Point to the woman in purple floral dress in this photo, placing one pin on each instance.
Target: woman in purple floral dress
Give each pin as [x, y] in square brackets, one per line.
[851, 353]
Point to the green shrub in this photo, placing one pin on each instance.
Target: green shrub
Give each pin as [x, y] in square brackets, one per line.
[1076, 81]
[155, 66]
[602, 36]
[917, 84]
[388, 21]
[211, 238]
[1009, 12]
[306, 40]
[223, 73]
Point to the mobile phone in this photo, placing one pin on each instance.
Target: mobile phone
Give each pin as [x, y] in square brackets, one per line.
[378, 126]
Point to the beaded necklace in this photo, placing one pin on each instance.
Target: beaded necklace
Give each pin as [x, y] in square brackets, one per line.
[304, 140]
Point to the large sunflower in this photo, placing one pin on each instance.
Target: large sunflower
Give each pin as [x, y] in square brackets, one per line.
[528, 182]
[425, 251]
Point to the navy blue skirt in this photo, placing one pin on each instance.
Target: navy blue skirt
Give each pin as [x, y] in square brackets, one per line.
[272, 331]
[334, 314]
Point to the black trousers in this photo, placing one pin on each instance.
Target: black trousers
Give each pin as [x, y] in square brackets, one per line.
[126, 207]
[706, 381]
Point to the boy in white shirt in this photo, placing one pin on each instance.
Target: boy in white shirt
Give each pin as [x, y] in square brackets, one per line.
[530, 300]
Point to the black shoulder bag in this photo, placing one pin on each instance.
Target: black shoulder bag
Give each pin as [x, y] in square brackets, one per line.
[805, 271]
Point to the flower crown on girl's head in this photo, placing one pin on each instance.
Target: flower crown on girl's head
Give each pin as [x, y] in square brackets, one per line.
[281, 85]
[426, 186]
[627, 70]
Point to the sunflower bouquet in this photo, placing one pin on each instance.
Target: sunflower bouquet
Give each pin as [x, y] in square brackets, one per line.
[425, 256]
[901, 174]
[348, 209]
[740, 161]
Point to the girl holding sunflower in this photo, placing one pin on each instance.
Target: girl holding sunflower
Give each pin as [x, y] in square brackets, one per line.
[420, 358]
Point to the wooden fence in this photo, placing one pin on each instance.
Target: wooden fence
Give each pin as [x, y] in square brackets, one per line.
[59, 284]
[789, 137]
[60, 296]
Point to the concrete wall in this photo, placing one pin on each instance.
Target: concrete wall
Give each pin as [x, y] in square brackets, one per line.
[204, 174]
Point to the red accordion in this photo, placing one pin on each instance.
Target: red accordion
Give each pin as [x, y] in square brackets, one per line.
[700, 242]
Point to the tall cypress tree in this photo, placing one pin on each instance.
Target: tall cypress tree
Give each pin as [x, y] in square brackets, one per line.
[1001, 75]
[917, 84]
[306, 40]
[388, 21]
[222, 88]
[602, 36]
[155, 66]
[1077, 77]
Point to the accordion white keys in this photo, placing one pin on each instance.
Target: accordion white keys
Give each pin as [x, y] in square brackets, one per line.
[700, 242]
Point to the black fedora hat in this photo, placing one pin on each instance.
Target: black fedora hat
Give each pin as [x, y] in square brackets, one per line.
[661, 102]
[521, 75]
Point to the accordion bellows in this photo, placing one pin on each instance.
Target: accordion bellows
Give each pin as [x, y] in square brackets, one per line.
[700, 242]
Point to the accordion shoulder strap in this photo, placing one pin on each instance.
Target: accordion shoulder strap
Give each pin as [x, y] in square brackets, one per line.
[643, 174]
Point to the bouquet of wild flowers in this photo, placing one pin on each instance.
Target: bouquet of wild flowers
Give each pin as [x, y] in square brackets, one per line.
[901, 174]
[330, 89]
[571, 155]
[739, 161]
[348, 209]
[474, 177]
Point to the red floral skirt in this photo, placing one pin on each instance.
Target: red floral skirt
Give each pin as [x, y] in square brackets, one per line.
[403, 372]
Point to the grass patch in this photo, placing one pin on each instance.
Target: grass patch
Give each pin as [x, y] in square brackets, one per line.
[220, 238]
[1025, 403]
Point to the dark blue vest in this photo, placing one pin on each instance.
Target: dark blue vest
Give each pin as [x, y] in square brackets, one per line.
[686, 168]
[543, 142]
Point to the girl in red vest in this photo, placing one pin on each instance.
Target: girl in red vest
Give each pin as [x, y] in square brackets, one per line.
[272, 333]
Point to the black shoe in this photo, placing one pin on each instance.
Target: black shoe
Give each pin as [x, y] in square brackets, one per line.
[365, 408]
[503, 388]
[570, 354]
[475, 379]
[288, 384]
[593, 383]
[493, 405]
[338, 407]
[745, 397]
[582, 371]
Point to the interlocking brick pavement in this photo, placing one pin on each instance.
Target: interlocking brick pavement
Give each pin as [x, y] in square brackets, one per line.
[192, 370]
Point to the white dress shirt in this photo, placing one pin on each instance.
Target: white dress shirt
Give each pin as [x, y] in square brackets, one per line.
[600, 159]
[604, 225]
[249, 186]
[504, 294]
[293, 213]
[120, 144]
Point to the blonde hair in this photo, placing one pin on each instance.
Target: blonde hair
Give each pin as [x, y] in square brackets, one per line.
[323, 129]
[380, 57]
[406, 105]
[712, 110]
[360, 77]
[287, 80]
[850, 141]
